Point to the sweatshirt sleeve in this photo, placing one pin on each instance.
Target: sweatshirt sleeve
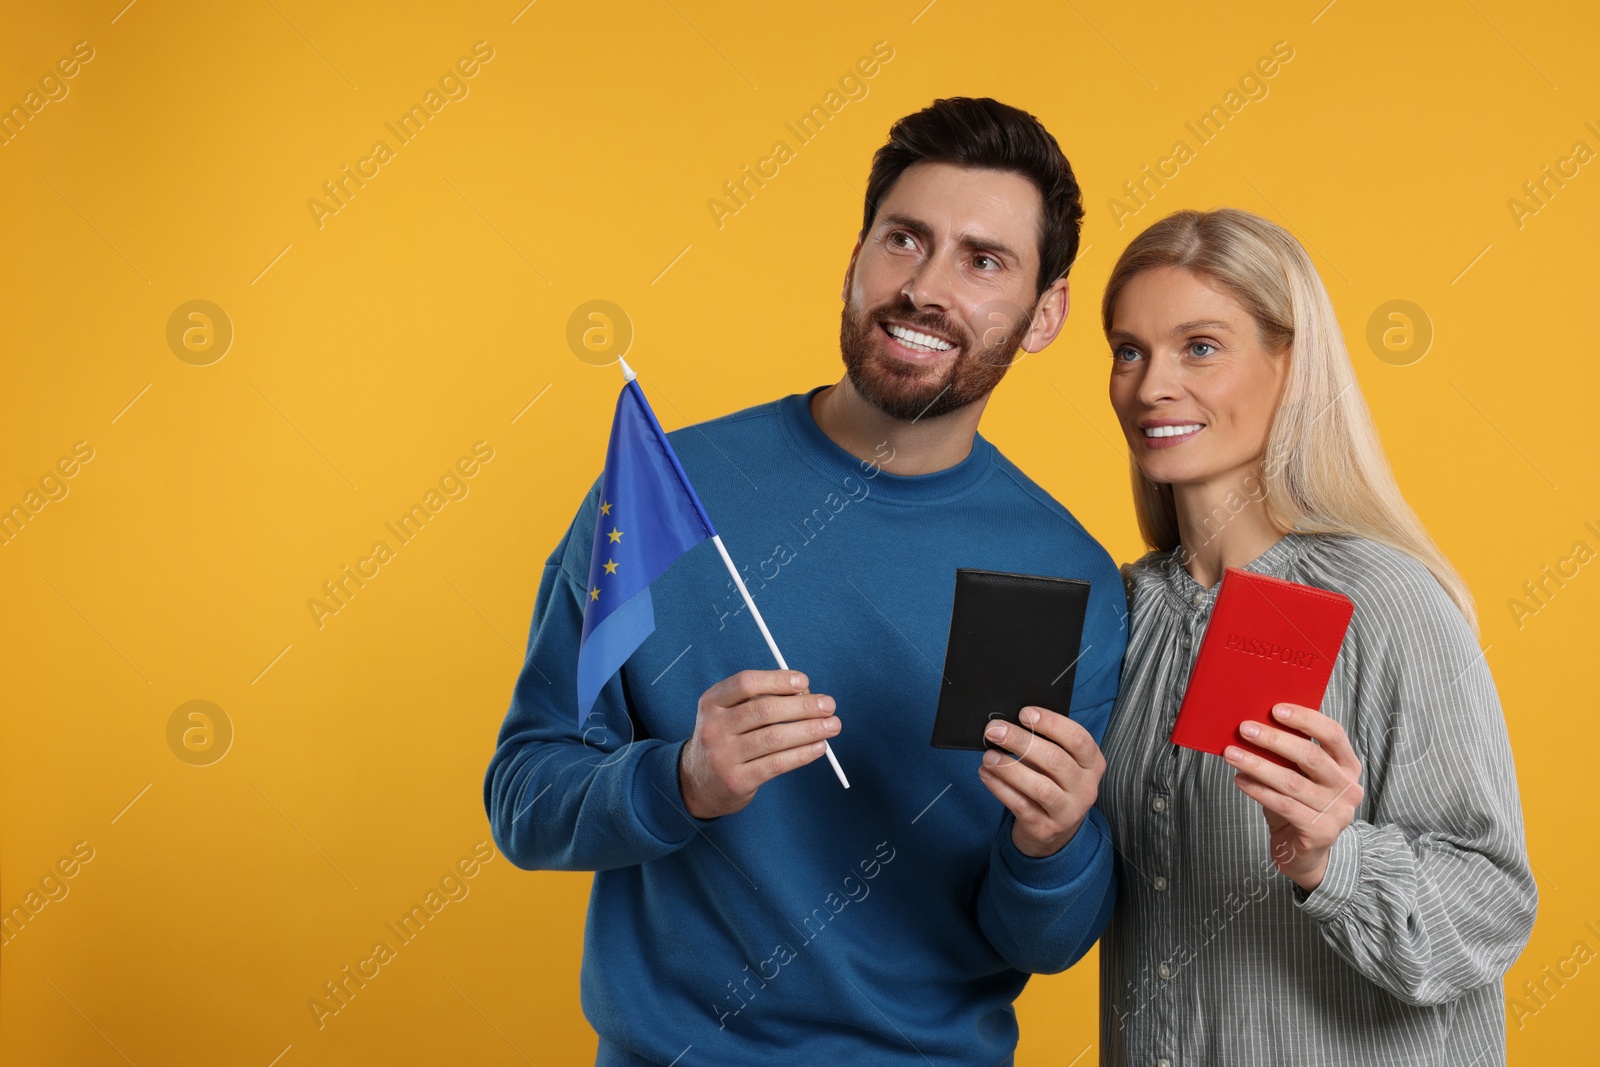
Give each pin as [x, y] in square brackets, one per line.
[1428, 892]
[1042, 914]
[564, 797]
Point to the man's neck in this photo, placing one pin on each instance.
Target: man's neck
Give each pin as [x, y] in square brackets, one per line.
[920, 446]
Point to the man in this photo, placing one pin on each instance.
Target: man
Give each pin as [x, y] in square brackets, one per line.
[745, 903]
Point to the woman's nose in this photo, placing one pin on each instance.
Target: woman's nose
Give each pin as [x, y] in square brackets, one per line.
[1162, 380]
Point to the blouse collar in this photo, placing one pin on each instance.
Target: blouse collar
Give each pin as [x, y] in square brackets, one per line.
[1189, 595]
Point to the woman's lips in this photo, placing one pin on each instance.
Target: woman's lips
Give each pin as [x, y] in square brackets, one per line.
[1173, 441]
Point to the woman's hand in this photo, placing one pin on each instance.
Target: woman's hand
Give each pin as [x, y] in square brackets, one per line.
[1305, 808]
[1052, 783]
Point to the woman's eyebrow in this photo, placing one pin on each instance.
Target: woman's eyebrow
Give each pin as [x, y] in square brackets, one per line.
[1180, 328]
[1201, 324]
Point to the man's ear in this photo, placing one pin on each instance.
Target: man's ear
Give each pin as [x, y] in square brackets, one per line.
[1049, 316]
[849, 272]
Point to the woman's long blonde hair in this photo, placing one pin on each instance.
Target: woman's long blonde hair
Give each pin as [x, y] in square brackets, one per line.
[1324, 468]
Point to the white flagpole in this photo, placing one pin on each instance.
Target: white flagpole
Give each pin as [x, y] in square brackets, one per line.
[755, 613]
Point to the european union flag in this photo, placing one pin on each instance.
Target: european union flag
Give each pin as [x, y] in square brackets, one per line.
[649, 516]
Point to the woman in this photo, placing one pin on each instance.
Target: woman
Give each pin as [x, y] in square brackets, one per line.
[1363, 907]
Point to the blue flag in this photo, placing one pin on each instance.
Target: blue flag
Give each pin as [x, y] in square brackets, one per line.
[649, 516]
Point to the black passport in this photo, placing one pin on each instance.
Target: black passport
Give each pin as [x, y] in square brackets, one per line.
[1014, 642]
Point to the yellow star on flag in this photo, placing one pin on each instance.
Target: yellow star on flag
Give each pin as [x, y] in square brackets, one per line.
[615, 534]
[594, 594]
[605, 509]
[611, 568]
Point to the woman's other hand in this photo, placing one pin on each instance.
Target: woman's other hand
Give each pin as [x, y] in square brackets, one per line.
[1308, 806]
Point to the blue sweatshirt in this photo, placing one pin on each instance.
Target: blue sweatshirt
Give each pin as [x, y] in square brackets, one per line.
[895, 921]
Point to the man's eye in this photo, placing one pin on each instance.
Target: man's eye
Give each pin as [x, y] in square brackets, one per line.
[897, 237]
[979, 260]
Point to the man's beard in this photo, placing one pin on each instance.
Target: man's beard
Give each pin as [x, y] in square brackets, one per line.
[906, 391]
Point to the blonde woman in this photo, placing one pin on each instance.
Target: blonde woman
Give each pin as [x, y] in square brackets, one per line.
[1363, 907]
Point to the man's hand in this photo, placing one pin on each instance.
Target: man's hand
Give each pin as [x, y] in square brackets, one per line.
[749, 729]
[1306, 808]
[1052, 783]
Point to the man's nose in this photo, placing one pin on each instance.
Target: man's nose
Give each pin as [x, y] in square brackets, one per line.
[928, 287]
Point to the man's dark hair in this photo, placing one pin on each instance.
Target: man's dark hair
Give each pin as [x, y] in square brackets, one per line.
[986, 134]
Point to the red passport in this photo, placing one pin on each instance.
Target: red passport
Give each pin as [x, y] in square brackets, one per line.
[1269, 642]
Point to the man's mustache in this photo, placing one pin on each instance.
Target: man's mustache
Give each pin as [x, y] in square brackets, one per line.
[906, 315]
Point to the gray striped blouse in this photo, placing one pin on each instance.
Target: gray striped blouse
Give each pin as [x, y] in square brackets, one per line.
[1212, 956]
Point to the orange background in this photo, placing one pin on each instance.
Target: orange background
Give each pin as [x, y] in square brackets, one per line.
[375, 346]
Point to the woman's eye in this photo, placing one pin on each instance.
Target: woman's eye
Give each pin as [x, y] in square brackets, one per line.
[1124, 354]
[1195, 348]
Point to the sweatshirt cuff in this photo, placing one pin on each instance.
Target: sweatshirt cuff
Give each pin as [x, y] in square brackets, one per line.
[1339, 880]
[658, 796]
[1058, 869]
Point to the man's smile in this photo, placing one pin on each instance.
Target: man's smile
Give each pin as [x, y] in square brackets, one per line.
[917, 346]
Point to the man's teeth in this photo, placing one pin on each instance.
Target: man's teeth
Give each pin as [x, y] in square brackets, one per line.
[913, 339]
[1172, 431]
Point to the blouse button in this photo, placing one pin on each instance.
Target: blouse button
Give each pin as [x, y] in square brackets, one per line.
[1199, 598]
[1158, 804]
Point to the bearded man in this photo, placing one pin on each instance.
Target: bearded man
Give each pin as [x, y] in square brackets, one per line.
[745, 907]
